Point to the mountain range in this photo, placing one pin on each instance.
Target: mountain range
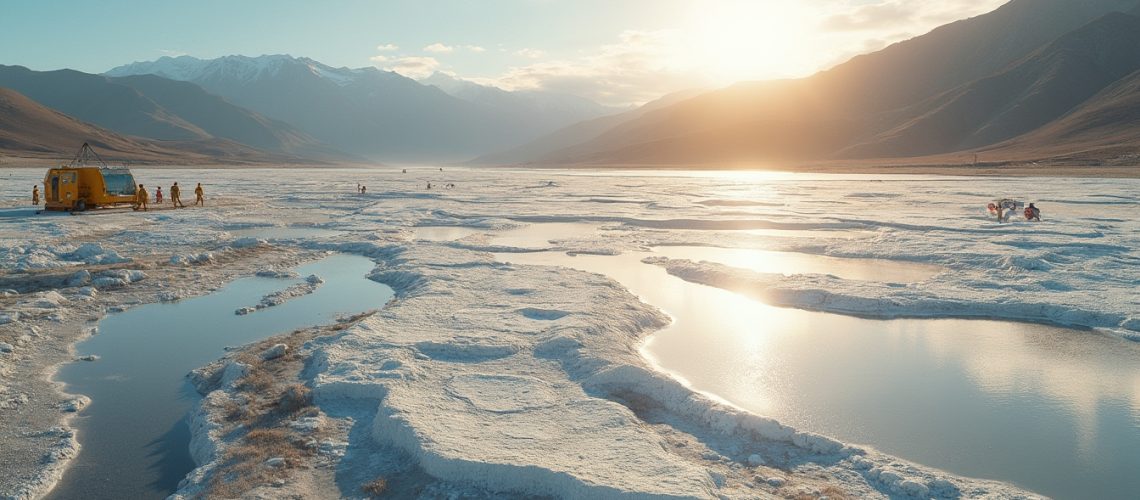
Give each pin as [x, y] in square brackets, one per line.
[377, 114]
[36, 131]
[1033, 80]
[1000, 83]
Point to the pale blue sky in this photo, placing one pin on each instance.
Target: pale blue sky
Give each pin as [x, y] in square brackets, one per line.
[612, 50]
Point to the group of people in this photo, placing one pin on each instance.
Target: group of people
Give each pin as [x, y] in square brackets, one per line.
[141, 196]
[1006, 208]
[361, 188]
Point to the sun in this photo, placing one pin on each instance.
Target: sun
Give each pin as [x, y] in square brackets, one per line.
[736, 40]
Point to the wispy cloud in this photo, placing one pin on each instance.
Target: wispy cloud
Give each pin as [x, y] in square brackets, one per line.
[916, 16]
[635, 68]
[531, 53]
[409, 66]
[387, 47]
[439, 48]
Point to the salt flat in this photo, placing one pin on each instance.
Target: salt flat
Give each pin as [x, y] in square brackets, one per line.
[493, 378]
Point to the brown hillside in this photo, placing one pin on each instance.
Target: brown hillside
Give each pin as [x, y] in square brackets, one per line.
[28, 129]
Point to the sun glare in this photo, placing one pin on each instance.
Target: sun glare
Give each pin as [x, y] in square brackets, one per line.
[739, 40]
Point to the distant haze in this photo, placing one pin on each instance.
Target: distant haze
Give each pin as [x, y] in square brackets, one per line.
[615, 53]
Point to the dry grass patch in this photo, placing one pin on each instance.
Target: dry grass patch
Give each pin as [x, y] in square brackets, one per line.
[375, 488]
[273, 398]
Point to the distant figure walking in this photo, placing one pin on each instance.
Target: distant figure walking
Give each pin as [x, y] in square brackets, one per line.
[405, 171]
[176, 196]
[199, 199]
[158, 195]
[141, 198]
[1032, 213]
[35, 195]
[363, 189]
[429, 186]
[357, 188]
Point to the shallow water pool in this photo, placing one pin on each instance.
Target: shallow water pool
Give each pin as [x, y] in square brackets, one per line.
[134, 434]
[1053, 410]
[789, 263]
[541, 235]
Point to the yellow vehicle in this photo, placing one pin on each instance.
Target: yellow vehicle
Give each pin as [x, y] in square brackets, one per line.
[81, 185]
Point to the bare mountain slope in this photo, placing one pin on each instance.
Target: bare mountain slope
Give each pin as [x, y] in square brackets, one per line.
[158, 108]
[866, 99]
[1029, 95]
[29, 129]
[553, 145]
[1106, 126]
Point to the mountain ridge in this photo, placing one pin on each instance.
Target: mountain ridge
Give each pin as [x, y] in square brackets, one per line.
[146, 107]
[366, 111]
[862, 102]
[29, 129]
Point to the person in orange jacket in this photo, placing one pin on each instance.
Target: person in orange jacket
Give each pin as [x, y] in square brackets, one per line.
[176, 196]
[141, 198]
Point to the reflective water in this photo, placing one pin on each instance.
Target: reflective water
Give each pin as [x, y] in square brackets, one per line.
[1053, 410]
[134, 435]
[798, 263]
[541, 235]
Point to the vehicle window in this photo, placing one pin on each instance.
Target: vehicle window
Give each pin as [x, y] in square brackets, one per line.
[119, 183]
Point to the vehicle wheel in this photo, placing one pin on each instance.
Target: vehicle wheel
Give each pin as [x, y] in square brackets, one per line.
[81, 206]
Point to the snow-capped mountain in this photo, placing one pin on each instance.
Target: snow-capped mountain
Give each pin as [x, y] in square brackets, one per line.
[153, 107]
[237, 68]
[374, 113]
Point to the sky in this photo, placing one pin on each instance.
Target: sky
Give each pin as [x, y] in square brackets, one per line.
[618, 52]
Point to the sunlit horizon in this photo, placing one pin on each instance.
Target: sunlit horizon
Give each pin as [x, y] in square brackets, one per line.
[619, 54]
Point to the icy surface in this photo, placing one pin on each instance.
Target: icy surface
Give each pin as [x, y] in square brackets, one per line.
[528, 379]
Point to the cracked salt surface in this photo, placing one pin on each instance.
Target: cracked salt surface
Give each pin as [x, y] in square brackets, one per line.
[134, 437]
[1050, 409]
[462, 315]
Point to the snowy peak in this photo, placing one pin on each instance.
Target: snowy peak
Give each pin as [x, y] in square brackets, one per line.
[239, 69]
[188, 68]
[452, 85]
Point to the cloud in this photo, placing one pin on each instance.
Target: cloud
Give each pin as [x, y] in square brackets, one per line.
[475, 48]
[872, 17]
[410, 66]
[387, 47]
[439, 48]
[636, 68]
[909, 15]
[531, 53]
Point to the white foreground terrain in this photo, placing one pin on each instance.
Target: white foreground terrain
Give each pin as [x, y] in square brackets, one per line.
[487, 379]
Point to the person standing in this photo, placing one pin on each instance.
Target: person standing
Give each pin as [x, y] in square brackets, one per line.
[141, 198]
[198, 198]
[1032, 213]
[158, 196]
[176, 196]
[35, 195]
